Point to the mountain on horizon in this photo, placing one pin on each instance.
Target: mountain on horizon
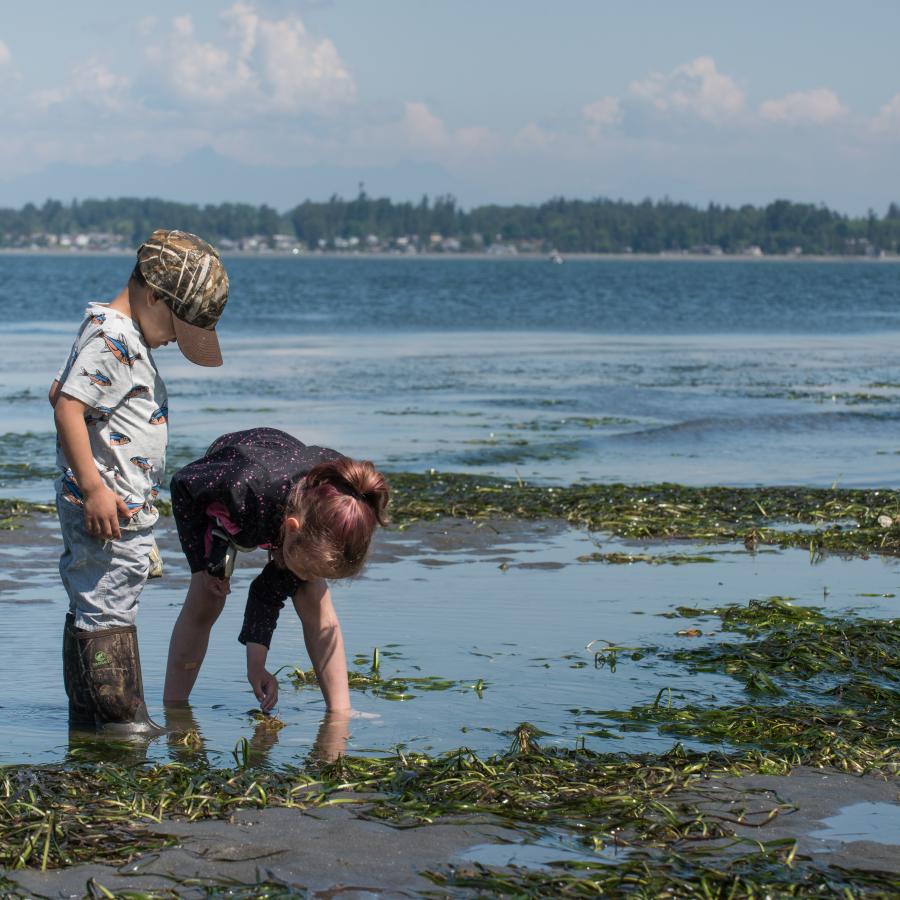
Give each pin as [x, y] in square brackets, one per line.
[204, 176]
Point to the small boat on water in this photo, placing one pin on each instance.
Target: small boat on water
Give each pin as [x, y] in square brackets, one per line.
[556, 257]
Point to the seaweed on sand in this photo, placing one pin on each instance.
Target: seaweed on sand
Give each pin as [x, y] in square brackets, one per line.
[819, 519]
[12, 511]
[752, 516]
[641, 805]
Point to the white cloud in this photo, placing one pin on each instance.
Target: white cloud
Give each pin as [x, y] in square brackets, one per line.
[888, 118]
[5, 55]
[696, 87]
[602, 114]
[198, 71]
[476, 139]
[91, 82]
[299, 70]
[814, 107]
[533, 137]
[423, 126]
[268, 65]
[426, 130]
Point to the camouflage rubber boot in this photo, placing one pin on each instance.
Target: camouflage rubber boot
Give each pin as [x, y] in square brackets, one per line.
[81, 707]
[112, 667]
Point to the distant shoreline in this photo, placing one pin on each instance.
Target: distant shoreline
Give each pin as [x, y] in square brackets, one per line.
[482, 257]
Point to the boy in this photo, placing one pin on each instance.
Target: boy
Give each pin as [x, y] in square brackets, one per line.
[111, 415]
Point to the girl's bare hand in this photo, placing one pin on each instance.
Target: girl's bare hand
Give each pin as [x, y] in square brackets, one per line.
[265, 687]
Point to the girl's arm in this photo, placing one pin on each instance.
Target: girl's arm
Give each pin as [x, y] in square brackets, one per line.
[264, 684]
[324, 642]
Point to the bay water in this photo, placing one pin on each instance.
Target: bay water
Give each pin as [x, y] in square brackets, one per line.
[699, 372]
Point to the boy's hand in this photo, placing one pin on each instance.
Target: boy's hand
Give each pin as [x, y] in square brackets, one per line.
[265, 687]
[102, 510]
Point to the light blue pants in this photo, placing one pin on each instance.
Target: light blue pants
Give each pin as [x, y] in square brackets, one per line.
[103, 579]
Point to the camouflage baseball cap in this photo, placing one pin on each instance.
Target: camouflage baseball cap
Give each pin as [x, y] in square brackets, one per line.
[186, 272]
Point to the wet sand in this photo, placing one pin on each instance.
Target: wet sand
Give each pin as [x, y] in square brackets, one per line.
[865, 809]
[337, 851]
[329, 852]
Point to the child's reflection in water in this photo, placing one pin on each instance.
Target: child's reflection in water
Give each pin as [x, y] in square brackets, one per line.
[188, 746]
[186, 742]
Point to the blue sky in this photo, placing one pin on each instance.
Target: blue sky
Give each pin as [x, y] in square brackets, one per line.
[493, 100]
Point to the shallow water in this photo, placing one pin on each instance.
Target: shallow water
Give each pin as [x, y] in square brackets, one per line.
[541, 852]
[607, 371]
[767, 373]
[514, 609]
[878, 822]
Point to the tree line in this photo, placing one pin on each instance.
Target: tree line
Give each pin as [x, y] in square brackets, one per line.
[598, 226]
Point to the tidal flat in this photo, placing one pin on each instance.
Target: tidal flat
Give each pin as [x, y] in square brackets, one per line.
[610, 654]
[653, 690]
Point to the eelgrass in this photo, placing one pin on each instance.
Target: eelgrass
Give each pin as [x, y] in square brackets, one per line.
[838, 675]
[829, 685]
[818, 519]
[13, 511]
[844, 521]
[639, 804]
[395, 687]
[799, 643]
[53, 816]
[762, 875]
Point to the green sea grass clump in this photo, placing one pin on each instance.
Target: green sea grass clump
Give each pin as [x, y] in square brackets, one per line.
[822, 689]
[853, 522]
[642, 815]
[818, 519]
[13, 511]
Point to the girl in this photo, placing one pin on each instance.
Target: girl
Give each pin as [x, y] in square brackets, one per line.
[313, 509]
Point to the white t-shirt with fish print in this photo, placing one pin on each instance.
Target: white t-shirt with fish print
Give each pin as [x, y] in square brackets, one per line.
[111, 370]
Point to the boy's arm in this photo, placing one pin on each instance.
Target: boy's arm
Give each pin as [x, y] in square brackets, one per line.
[102, 507]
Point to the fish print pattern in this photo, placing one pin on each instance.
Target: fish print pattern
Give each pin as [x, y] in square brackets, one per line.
[119, 349]
[116, 378]
[160, 416]
[97, 377]
[70, 489]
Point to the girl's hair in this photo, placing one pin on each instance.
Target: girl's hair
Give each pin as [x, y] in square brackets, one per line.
[339, 504]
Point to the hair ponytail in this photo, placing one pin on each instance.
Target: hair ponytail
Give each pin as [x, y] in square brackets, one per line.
[339, 505]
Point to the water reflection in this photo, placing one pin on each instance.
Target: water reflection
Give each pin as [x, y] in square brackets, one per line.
[331, 741]
[187, 745]
[94, 747]
[186, 742]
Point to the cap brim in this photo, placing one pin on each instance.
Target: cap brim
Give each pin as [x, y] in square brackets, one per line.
[199, 345]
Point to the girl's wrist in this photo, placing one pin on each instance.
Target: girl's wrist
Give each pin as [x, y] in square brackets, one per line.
[256, 656]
